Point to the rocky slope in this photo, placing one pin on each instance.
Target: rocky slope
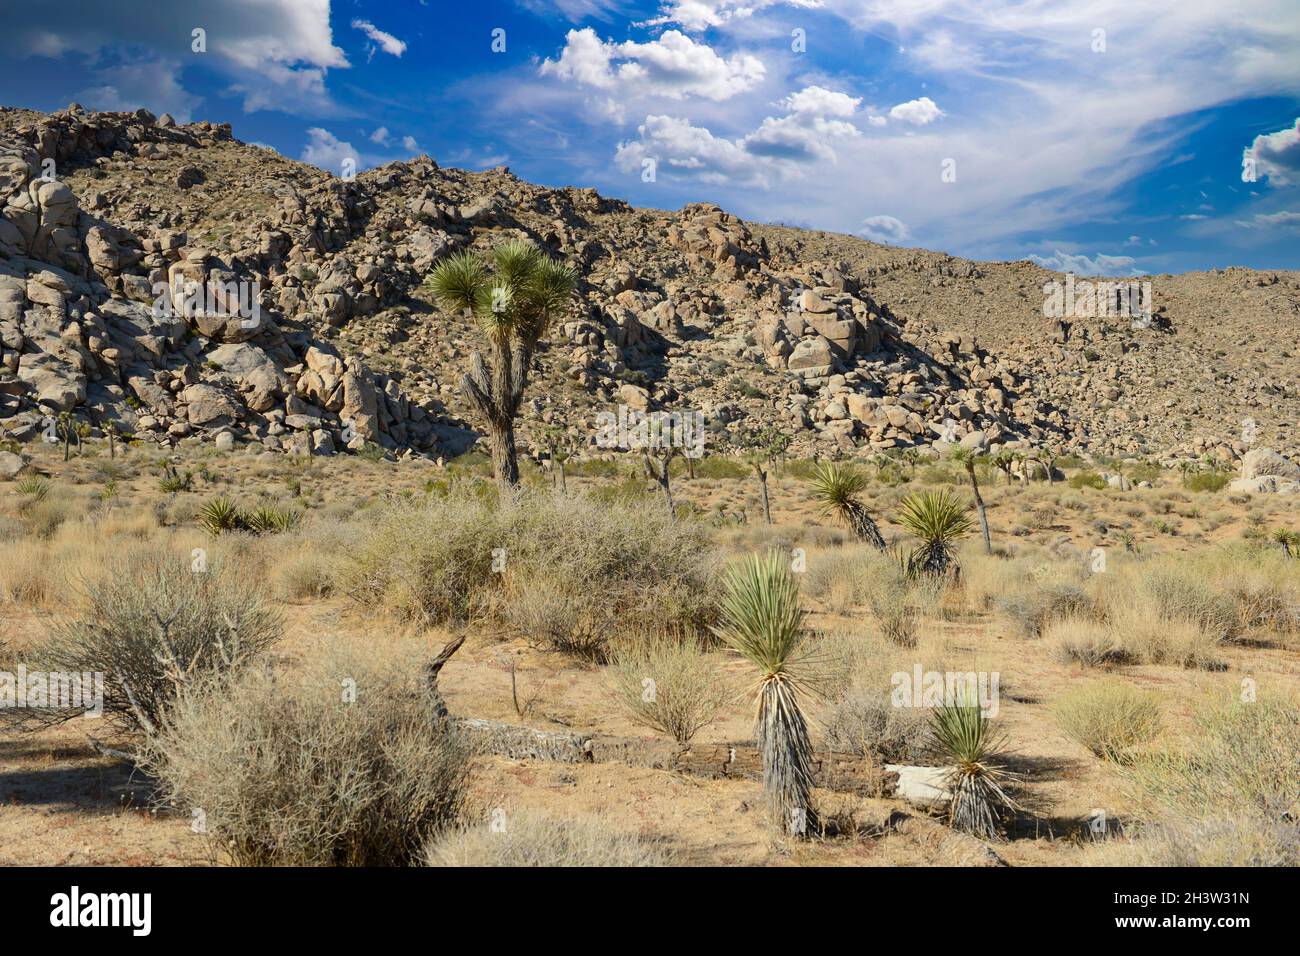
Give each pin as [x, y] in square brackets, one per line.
[844, 343]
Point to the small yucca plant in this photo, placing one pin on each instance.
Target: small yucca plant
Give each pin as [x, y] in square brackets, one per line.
[219, 516]
[269, 519]
[761, 620]
[1289, 540]
[938, 519]
[836, 488]
[33, 486]
[977, 801]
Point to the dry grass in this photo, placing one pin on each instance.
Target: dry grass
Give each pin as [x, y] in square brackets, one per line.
[673, 687]
[536, 839]
[1108, 717]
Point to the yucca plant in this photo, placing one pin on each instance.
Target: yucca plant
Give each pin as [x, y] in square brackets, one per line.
[977, 800]
[1289, 540]
[938, 519]
[268, 519]
[515, 301]
[220, 515]
[836, 488]
[34, 487]
[761, 620]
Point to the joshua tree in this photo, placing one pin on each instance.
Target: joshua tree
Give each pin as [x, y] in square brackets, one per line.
[938, 519]
[515, 302]
[766, 448]
[967, 458]
[559, 447]
[977, 800]
[836, 488]
[1003, 461]
[761, 620]
[656, 468]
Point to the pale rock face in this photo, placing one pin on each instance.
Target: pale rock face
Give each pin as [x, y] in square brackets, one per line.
[811, 357]
[10, 465]
[1263, 462]
[634, 397]
[209, 405]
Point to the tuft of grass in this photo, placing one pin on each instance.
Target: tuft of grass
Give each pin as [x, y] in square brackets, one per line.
[1109, 717]
[668, 686]
[529, 838]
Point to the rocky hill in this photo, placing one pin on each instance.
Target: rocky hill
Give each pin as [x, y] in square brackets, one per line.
[324, 334]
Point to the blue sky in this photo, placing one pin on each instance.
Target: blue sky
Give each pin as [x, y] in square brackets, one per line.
[1099, 135]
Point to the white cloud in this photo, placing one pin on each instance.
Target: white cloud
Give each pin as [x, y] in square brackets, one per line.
[1285, 219]
[1192, 217]
[698, 15]
[1277, 156]
[327, 151]
[410, 145]
[884, 229]
[384, 41]
[153, 84]
[275, 53]
[777, 149]
[917, 112]
[673, 66]
[1098, 265]
[380, 136]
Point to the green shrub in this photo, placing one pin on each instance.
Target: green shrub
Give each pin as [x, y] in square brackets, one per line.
[1087, 479]
[1208, 481]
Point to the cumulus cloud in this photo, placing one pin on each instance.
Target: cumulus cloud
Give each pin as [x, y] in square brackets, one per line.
[673, 66]
[815, 121]
[152, 84]
[1277, 156]
[918, 112]
[410, 145]
[1098, 265]
[327, 151]
[884, 229]
[698, 15]
[275, 53]
[380, 136]
[383, 41]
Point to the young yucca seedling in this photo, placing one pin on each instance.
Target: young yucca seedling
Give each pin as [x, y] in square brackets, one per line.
[836, 488]
[938, 519]
[219, 516]
[968, 738]
[1289, 540]
[34, 487]
[761, 620]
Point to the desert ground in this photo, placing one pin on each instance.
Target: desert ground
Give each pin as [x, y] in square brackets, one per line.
[1195, 610]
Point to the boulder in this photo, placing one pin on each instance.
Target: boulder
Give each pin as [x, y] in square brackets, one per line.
[812, 357]
[1261, 462]
[10, 465]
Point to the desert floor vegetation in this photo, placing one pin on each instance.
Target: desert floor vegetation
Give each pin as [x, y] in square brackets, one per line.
[278, 660]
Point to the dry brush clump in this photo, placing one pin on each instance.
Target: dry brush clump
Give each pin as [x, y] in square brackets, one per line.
[152, 621]
[669, 686]
[341, 764]
[1109, 717]
[562, 570]
[531, 838]
[1229, 795]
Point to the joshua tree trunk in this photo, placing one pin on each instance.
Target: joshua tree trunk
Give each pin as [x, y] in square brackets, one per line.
[979, 507]
[496, 396]
[762, 481]
[863, 527]
[657, 468]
